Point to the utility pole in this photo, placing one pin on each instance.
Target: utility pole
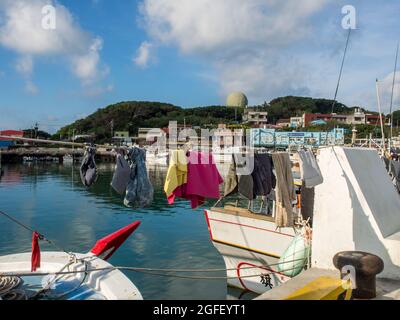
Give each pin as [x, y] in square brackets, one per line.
[36, 128]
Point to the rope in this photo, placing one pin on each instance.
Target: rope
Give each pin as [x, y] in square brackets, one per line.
[41, 236]
[148, 271]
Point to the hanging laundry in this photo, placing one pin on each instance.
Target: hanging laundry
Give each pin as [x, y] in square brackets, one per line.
[35, 259]
[285, 190]
[203, 180]
[264, 179]
[309, 169]
[235, 183]
[121, 175]
[139, 192]
[88, 170]
[177, 172]
[259, 183]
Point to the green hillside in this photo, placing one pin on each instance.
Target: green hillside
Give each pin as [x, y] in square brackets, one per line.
[131, 115]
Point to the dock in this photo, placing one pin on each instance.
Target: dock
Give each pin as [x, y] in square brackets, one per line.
[387, 289]
[17, 155]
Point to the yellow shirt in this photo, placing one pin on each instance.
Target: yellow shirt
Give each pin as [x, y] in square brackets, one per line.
[177, 171]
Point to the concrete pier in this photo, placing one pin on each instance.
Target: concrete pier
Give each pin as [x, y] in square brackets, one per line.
[17, 155]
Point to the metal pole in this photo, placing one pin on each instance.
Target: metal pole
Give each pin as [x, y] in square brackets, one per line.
[341, 70]
[391, 99]
[380, 114]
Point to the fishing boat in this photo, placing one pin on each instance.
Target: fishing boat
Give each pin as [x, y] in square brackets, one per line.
[157, 157]
[71, 159]
[69, 276]
[345, 213]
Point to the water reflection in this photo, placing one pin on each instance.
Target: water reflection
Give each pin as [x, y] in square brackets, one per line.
[52, 199]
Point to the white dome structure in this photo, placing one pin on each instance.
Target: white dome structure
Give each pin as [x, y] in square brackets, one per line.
[237, 100]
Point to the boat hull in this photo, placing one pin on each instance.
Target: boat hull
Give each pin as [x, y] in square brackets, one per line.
[97, 285]
[251, 247]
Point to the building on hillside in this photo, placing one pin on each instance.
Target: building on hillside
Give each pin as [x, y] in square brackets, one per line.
[374, 119]
[283, 123]
[296, 122]
[122, 138]
[4, 142]
[255, 117]
[358, 117]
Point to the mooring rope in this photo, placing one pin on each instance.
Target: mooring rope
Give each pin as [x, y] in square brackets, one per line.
[41, 236]
[151, 272]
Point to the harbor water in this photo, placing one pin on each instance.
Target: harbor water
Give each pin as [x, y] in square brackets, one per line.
[52, 199]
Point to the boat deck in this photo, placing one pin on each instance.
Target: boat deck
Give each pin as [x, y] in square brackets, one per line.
[242, 212]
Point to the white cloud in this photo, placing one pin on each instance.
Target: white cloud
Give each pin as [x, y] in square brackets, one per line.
[21, 31]
[385, 88]
[31, 88]
[85, 66]
[24, 65]
[247, 42]
[143, 55]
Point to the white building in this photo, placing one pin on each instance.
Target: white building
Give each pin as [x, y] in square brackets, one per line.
[255, 117]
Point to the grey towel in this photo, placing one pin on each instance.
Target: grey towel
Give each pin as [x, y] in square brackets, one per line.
[285, 192]
[238, 183]
[88, 170]
[139, 192]
[121, 175]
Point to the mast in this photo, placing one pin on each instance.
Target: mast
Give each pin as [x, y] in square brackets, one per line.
[391, 99]
[341, 70]
[380, 114]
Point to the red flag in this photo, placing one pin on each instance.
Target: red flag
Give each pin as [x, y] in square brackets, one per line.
[35, 260]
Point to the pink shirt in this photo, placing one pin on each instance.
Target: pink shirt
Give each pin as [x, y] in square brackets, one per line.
[202, 182]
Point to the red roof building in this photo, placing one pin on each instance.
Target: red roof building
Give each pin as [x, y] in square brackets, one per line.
[11, 133]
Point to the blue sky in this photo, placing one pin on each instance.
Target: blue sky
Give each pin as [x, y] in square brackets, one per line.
[188, 53]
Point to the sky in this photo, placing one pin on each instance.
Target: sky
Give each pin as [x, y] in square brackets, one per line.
[61, 60]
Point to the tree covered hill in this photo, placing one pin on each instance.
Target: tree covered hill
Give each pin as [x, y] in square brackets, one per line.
[131, 115]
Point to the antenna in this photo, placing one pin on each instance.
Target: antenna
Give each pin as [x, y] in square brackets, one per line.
[341, 70]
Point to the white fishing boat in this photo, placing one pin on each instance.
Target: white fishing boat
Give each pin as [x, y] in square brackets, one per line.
[157, 157]
[71, 159]
[250, 245]
[356, 201]
[69, 276]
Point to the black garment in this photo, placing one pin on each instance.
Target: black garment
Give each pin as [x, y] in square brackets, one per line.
[259, 183]
[264, 179]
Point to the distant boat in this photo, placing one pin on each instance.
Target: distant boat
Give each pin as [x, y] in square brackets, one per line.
[70, 159]
[155, 157]
[85, 282]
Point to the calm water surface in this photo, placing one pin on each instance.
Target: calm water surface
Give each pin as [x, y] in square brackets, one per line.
[51, 198]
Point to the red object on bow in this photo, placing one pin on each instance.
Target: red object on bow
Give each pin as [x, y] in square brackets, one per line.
[35, 260]
[106, 247]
